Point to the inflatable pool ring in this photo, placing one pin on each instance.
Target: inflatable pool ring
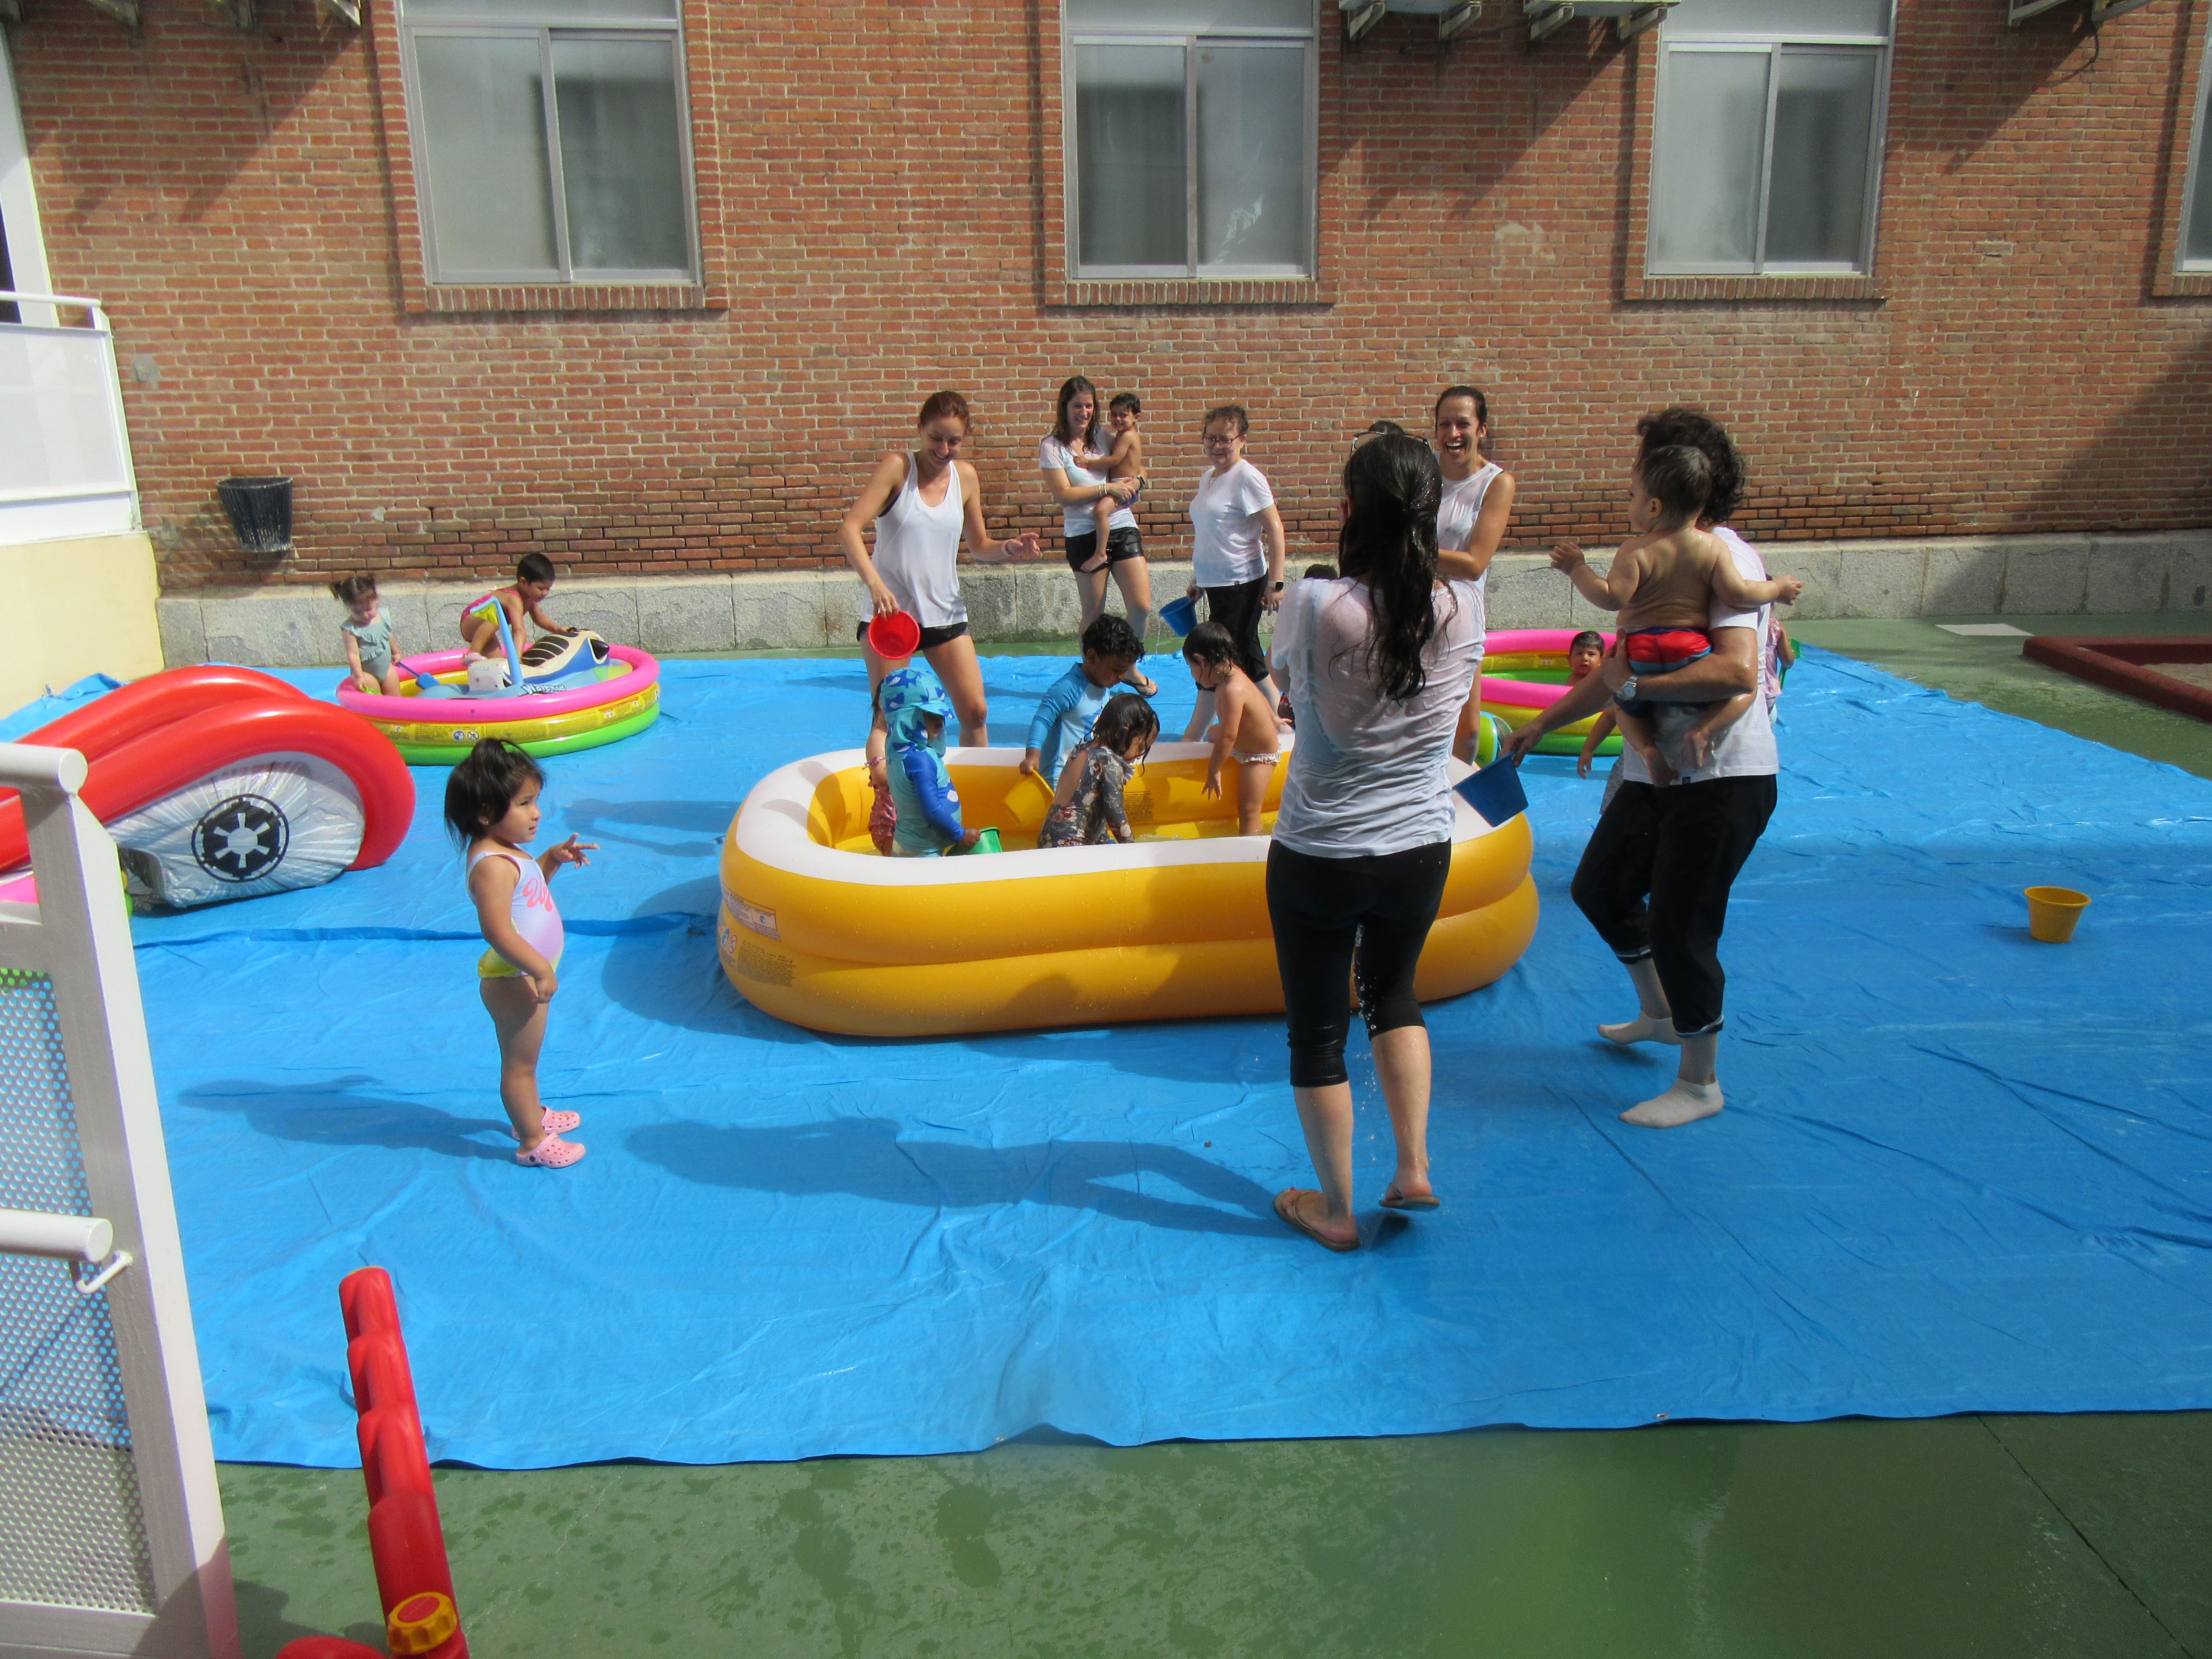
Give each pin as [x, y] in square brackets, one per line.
[1540, 653]
[604, 703]
[221, 783]
[818, 930]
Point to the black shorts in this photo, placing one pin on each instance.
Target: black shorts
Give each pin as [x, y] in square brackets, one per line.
[1237, 609]
[1125, 543]
[931, 637]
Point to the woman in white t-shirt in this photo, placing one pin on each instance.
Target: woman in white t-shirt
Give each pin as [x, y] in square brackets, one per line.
[1378, 662]
[1078, 487]
[923, 503]
[1654, 879]
[1236, 551]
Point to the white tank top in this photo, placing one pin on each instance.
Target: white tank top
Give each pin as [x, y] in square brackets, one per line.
[1456, 511]
[918, 550]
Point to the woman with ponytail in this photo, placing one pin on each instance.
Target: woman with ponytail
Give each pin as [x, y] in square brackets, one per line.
[1378, 663]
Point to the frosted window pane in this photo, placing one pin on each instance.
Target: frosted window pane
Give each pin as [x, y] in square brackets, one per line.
[1782, 17]
[1251, 155]
[1194, 16]
[2196, 233]
[1816, 189]
[544, 11]
[483, 132]
[1704, 184]
[622, 154]
[1130, 182]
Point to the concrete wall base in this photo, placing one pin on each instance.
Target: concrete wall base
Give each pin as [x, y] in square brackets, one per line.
[79, 606]
[292, 627]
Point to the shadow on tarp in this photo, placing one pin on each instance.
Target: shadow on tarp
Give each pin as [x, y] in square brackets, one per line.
[866, 1157]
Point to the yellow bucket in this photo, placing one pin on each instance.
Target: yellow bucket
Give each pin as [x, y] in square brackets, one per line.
[1028, 800]
[2052, 912]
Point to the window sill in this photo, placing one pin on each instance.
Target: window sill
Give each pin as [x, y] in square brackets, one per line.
[1191, 292]
[2185, 285]
[1753, 288]
[566, 296]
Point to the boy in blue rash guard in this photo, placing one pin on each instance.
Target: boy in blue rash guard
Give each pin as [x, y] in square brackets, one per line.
[915, 708]
[1062, 722]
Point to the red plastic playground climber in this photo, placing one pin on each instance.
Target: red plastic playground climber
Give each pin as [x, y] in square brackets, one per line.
[405, 1542]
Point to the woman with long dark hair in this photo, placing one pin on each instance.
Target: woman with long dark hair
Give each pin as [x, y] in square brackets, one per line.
[1656, 877]
[1378, 664]
[1068, 458]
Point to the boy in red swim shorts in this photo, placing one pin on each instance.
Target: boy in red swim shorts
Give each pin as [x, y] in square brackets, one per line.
[1663, 581]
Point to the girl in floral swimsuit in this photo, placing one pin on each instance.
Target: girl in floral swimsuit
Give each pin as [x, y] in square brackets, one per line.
[1087, 810]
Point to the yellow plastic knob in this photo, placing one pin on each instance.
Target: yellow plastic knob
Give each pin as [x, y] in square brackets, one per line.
[420, 1623]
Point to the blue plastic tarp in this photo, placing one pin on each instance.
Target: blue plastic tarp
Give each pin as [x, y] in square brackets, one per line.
[1958, 1171]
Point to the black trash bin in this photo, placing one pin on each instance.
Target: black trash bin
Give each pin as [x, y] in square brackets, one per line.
[260, 512]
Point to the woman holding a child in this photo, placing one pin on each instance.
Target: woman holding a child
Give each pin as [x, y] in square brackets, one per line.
[1072, 458]
[1654, 879]
[1379, 663]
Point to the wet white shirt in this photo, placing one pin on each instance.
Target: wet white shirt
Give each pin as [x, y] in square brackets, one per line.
[1369, 776]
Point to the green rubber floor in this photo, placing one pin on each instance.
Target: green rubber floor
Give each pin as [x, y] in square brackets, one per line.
[2084, 1537]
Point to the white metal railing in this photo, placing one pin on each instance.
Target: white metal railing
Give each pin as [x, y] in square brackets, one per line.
[64, 449]
[111, 1522]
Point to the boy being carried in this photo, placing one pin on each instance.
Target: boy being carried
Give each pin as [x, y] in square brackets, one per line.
[1125, 460]
[1062, 721]
[1664, 581]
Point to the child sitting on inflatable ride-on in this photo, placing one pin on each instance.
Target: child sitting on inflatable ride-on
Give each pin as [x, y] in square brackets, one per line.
[1664, 580]
[915, 708]
[533, 583]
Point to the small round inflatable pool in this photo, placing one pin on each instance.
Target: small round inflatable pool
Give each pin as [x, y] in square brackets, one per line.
[605, 703]
[1524, 671]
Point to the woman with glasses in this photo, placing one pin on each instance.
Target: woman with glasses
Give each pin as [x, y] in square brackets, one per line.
[1378, 662]
[1236, 551]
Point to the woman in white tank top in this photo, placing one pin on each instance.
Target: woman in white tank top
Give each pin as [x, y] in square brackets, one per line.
[1471, 519]
[923, 505]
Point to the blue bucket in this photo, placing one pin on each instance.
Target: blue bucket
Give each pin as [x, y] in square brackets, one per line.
[1495, 792]
[1181, 615]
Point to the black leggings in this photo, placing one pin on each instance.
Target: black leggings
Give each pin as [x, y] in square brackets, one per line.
[1383, 905]
[1237, 609]
[1681, 848]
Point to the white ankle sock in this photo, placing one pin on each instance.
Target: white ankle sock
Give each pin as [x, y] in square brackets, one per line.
[1645, 1028]
[1685, 1103]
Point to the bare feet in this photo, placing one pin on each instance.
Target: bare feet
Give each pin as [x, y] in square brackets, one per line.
[1698, 745]
[1655, 765]
[1097, 564]
[1308, 1211]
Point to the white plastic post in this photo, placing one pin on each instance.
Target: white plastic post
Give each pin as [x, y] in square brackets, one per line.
[81, 941]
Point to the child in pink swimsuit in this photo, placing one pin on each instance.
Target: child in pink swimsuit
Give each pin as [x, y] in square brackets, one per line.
[491, 808]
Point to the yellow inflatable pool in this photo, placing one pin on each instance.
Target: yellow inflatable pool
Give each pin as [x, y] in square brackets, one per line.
[818, 930]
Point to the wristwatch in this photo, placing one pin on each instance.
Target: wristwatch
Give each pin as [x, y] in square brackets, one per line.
[1277, 588]
[1627, 692]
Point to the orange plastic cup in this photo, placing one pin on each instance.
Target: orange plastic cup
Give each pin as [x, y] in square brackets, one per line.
[894, 637]
[2052, 913]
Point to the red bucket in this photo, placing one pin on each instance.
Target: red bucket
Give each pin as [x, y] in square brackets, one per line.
[894, 636]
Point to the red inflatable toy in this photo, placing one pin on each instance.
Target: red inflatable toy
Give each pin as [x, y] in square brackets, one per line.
[222, 783]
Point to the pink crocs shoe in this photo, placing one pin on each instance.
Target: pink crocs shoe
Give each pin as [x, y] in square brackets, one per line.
[552, 1154]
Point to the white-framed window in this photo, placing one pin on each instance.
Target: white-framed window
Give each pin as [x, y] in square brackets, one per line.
[2196, 195]
[1766, 154]
[552, 140]
[1190, 137]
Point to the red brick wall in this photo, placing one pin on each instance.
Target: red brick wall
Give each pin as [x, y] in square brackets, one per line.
[880, 232]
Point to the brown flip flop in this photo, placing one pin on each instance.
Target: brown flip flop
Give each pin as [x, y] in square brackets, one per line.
[1392, 1198]
[1291, 1216]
